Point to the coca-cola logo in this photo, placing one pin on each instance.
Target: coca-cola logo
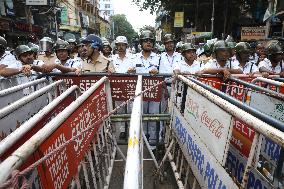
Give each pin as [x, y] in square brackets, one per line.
[214, 125]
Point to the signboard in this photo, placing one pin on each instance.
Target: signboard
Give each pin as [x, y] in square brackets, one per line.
[179, 19]
[58, 170]
[253, 33]
[207, 170]
[236, 90]
[214, 82]
[36, 2]
[209, 121]
[272, 106]
[242, 137]
[122, 87]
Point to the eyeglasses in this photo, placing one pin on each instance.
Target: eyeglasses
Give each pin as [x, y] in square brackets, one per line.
[148, 40]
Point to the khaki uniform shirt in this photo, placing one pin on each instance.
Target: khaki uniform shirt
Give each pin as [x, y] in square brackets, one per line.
[46, 59]
[102, 64]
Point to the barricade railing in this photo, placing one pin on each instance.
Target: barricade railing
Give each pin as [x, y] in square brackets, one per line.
[133, 176]
[203, 123]
[8, 82]
[75, 148]
[123, 87]
[12, 94]
[35, 123]
[13, 115]
[270, 104]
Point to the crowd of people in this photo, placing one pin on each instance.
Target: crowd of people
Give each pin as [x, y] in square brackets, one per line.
[92, 54]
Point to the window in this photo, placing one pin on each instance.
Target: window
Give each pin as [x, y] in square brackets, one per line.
[107, 6]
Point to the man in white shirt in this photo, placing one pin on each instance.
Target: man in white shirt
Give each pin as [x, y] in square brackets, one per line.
[170, 57]
[273, 64]
[122, 60]
[221, 64]
[189, 65]
[243, 51]
[146, 61]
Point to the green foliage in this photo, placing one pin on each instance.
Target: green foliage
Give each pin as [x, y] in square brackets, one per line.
[123, 27]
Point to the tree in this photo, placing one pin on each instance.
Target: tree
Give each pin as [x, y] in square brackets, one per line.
[123, 27]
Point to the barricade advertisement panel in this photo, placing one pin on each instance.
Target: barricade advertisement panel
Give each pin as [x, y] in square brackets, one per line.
[209, 121]
[206, 168]
[212, 81]
[236, 90]
[122, 87]
[43, 121]
[268, 105]
[242, 137]
[13, 120]
[58, 170]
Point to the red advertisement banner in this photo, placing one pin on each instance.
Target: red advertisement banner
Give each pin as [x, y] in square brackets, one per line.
[212, 81]
[122, 87]
[242, 137]
[58, 170]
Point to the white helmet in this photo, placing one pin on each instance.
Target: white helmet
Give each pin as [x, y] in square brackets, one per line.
[121, 39]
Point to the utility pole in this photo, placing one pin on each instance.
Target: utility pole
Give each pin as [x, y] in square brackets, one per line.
[55, 10]
[270, 10]
[212, 18]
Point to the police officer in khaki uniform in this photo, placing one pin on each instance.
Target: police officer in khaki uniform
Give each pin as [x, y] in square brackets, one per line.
[96, 61]
[46, 45]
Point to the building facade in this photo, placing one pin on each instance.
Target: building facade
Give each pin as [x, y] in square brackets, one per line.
[106, 8]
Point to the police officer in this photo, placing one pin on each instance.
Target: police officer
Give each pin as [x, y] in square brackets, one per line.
[220, 64]
[73, 48]
[35, 49]
[9, 66]
[121, 60]
[205, 56]
[170, 57]
[243, 51]
[189, 65]
[63, 63]
[106, 49]
[97, 61]
[273, 64]
[46, 45]
[179, 47]
[259, 54]
[146, 61]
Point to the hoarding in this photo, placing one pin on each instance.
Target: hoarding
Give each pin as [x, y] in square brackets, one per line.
[253, 33]
[210, 122]
[205, 167]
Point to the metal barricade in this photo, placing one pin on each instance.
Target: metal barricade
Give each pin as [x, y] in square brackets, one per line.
[202, 126]
[35, 123]
[134, 163]
[9, 95]
[13, 115]
[123, 87]
[76, 148]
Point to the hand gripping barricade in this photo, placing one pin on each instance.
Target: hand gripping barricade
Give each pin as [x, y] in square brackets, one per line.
[76, 143]
[202, 132]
